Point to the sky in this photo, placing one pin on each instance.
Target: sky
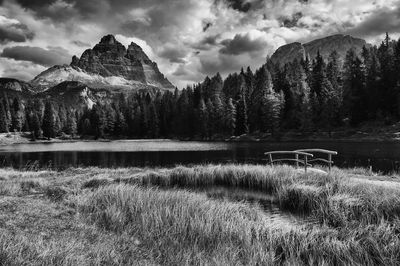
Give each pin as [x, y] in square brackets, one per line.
[189, 39]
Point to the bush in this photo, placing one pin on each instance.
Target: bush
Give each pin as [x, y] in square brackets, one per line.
[56, 193]
[96, 183]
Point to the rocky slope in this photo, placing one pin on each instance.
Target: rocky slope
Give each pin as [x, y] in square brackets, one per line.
[16, 87]
[108, 64]
[57, 74]
[339, 43]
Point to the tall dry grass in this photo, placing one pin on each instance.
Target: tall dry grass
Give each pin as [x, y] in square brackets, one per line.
[182, 228]
[336, 199]
[132, 216]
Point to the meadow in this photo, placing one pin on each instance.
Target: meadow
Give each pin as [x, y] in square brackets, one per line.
[135, 216]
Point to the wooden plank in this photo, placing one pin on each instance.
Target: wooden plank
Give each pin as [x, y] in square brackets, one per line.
[319, 151]
[289, 152]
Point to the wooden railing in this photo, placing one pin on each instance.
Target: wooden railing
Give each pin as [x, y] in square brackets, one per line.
[307, 155]
[327, 152]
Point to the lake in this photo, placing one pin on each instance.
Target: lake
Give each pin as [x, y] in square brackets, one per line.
[383, 157]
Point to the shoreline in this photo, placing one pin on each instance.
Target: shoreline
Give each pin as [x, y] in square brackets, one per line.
[23, 140]
[55, 141]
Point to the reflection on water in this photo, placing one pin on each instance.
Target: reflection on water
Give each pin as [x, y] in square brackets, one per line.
[266, 202]
[381, 156]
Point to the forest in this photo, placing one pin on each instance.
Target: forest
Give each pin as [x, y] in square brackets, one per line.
[303, 96]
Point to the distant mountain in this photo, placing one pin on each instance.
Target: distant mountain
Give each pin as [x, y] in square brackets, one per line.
[339, 43]
[108, 64]
[16, 87]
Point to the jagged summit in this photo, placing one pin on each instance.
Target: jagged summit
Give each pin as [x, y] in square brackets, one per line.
[108, 63]
[110, 58]
[108, 39]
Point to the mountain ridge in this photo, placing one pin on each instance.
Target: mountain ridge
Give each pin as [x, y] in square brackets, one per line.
[325, 46]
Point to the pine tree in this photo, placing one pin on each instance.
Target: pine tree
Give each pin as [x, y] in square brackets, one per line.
[35, 126]
[263, 86]
[218, 115]
[7, 110]
[16, 115]
[120, 125]
[211, 118]
[154, 128]
[354, 90]
[230, 117]
[242, 126]
[49, 120]
[86, 127]
[71, 127]
[98, 121]
[3, 119]
[202, 118]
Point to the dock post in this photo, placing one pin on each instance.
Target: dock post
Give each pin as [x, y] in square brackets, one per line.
[330, 162]
[297, 161]
[305, 163]
[270, 159]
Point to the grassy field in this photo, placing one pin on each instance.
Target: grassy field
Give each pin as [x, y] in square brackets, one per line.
[135, 216]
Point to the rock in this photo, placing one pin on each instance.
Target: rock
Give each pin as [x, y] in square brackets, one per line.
[15, 87]
[339, 43]
[108, 64]
[110, 58]
[288, 53]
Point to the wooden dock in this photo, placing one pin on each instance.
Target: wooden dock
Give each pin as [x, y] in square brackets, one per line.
[304, 157]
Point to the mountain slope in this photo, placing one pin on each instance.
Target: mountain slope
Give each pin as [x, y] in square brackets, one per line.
[339, 43]
[57, 74]
[15, 87]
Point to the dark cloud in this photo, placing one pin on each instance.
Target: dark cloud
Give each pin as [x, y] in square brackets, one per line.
[385, 20]
[81, 44]
[174, 54]
[15, 32]
[240, 5]
[292, 21]
[34, 4]
[45, 57]
[222, 63]
[242, 44]
[207, 43]
[206, 26]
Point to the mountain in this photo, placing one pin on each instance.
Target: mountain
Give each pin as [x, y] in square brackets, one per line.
[339, 43]
[108, 64]
[15, 87]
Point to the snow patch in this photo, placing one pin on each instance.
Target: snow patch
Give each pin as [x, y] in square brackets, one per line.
[58, 74]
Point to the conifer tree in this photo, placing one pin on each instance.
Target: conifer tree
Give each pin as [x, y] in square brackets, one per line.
[354, 90]
[242, 126]
[71, 127]
[202, 117]
[154, 127]
[230, 117]
[3, 119]
[49, 120]
[17, 115]
[35, 126]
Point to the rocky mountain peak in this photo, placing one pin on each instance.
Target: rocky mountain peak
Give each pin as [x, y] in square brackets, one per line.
[135, 52]
[109, 58]
[108, 39]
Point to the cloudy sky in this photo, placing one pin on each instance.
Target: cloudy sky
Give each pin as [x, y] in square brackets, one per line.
[189, 39]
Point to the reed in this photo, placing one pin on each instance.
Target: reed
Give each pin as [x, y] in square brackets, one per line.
[92, 216]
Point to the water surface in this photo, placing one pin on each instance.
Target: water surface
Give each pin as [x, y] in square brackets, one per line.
[381, 156]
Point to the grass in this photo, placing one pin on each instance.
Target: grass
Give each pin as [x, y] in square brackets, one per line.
[134, 216]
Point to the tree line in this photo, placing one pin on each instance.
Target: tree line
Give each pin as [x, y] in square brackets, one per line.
[304, 95]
